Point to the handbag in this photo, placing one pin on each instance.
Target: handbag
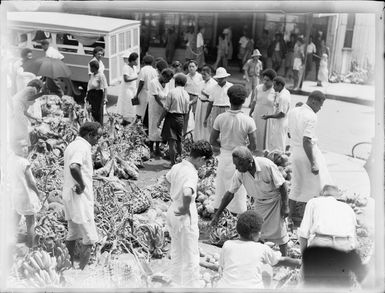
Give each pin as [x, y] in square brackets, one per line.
[135, 101]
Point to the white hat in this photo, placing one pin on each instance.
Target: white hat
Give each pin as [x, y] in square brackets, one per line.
[256, 53]
[221, 73]
[226, 31]
[126, 54]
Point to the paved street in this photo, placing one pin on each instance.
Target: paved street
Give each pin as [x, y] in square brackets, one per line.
[340, 124]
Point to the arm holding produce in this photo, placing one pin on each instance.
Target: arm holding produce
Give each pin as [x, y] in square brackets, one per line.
[289, 262]
[76, 173]
[227, 198]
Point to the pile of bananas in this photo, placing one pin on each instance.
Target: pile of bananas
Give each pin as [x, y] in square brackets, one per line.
[153, 240]
[225, 230]
[48, 226]
[39, 269]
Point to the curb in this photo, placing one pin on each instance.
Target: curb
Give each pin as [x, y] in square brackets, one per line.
[353, 100]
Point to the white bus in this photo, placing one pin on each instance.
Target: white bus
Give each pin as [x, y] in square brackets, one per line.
[75, 36]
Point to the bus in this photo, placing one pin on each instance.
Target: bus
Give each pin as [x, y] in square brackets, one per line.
[75, 36]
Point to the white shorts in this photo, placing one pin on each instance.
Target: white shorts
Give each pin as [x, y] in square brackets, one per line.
[85, 231]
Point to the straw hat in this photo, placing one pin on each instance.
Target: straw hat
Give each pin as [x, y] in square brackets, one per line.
[221, 73]
[256, 53]
[126, 54]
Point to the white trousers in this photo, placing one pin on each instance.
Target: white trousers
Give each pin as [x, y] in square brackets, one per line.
[185, 256]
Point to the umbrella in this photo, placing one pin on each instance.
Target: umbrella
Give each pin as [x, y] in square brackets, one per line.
[48, 67]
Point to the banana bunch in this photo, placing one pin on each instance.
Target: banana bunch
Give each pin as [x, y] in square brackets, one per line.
[152, 236]
[226, 229]
[62, 257]
[39, 268]
[49, 226]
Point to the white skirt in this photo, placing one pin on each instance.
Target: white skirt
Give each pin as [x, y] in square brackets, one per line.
[225, 173]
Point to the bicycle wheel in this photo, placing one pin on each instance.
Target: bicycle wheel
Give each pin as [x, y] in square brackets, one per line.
[362, 150]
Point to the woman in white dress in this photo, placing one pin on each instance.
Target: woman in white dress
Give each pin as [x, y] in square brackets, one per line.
[201, 132]
[146, 74]
[262, 103]
[159, 89]
[128, 88]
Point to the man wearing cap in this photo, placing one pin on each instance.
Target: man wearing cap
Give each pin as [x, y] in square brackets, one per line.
[328, 222]
[219, 101]
[252, 69]
[50, 52]
[276, 132]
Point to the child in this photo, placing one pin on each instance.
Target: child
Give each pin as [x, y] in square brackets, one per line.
[182, 215]
[175, 110]
[25, 199]
[323, 72]
[241, 261]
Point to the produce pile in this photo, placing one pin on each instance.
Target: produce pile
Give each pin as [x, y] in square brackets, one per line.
[116, 200]
[42, 267]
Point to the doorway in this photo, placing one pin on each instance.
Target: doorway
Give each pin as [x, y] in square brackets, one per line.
[236, 22]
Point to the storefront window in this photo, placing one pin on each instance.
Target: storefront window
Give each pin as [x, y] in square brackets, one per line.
[158, 25]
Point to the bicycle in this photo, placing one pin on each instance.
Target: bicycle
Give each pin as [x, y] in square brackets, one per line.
[362, 150]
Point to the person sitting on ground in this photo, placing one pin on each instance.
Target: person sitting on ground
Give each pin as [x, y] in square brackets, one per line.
[182, 215]
[175, 110]
[328, 222]
[25, 198]
[242, 261]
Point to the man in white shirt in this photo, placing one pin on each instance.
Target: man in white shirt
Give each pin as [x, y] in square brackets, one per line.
[218, 99]
[182, 215]
[276, 132]
[78, 196]
[310, 172]
[264, 182]
[230, 130]
[328, 222]
[50, 52]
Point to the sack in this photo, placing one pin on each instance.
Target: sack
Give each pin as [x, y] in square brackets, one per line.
[135, 101]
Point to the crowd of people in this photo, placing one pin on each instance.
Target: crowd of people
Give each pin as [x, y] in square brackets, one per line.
[166, 98]
[291, 57]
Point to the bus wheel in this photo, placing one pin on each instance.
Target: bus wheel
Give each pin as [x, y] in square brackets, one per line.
[64, 86]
